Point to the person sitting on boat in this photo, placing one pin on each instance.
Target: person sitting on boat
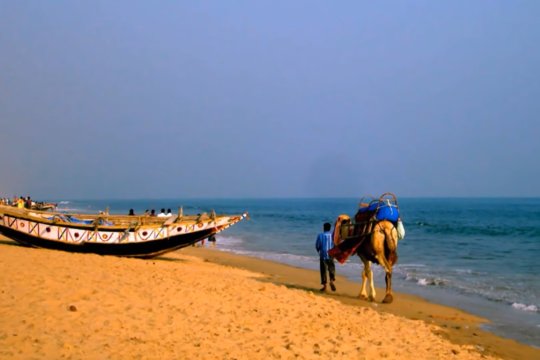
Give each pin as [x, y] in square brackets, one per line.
[131, 212]
[162, 213]
[169, 213]
[20, 203]
[152, 212]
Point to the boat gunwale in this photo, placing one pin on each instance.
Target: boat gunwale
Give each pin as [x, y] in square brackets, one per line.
[132, 222]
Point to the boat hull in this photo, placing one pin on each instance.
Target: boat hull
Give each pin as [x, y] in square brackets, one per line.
[146, 249]
[120, 235]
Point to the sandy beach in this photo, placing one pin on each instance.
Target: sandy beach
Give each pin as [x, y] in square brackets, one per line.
[203, 303]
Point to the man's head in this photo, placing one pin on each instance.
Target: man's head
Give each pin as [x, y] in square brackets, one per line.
[327, 226]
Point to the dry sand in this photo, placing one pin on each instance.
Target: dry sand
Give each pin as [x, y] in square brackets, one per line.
[201, 303]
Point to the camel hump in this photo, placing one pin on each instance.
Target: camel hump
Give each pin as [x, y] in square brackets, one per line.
[342, 228]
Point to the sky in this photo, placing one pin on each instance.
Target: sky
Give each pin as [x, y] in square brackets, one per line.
[257, 99]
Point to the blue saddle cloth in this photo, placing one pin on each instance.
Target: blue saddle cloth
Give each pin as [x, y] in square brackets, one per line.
[384, 210]
[74, 220]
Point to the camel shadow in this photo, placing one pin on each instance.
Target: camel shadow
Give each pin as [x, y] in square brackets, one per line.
[303, 288]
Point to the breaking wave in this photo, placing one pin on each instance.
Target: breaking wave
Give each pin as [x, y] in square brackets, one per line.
[524, 307]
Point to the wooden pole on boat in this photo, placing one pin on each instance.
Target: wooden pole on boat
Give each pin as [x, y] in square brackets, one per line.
[180, 212]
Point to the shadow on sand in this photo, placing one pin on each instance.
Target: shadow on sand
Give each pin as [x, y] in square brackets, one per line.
[13, 243]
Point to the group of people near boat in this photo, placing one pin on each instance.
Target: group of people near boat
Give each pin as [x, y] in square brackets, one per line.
[152, 212]
[21, 202]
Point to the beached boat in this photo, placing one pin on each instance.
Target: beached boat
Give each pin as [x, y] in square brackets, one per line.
[121, 235]
[43, 206]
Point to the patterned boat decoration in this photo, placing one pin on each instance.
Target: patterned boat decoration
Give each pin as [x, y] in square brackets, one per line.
[120, 235]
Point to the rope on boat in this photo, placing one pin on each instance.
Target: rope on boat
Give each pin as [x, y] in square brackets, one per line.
[132, 226]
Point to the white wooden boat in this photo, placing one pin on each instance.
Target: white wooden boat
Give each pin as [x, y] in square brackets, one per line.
[121, 235]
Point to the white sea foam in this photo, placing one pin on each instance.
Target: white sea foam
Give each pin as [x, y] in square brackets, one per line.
[430, 282]
[289, 258]
[72, 210]
[283, 257]
[229, 240]
[523, 307]
[411, 266]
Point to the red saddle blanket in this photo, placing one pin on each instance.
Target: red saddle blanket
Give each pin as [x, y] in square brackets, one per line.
[346, 248]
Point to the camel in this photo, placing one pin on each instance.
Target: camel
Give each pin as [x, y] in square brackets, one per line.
[374, 242]
[379, 247]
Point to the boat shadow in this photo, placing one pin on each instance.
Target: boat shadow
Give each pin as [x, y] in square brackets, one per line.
[158, 258]
[12, 243]
[168, 259]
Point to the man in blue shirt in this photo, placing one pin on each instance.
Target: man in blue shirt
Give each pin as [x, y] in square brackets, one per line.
[323, 244]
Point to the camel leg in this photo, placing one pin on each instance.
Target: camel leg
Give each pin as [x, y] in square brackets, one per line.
[378, 239]
[363, 291]
[384, 263]
[367, 276]
[388, 298]
[372, 292]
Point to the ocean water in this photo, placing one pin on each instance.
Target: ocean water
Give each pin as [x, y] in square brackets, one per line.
[478, 254]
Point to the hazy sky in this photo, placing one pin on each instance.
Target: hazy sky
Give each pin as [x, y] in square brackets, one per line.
[154, 99]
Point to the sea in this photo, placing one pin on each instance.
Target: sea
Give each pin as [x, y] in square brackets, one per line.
[481, 255]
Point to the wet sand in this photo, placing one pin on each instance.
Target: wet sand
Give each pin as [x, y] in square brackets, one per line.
[207, 304]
